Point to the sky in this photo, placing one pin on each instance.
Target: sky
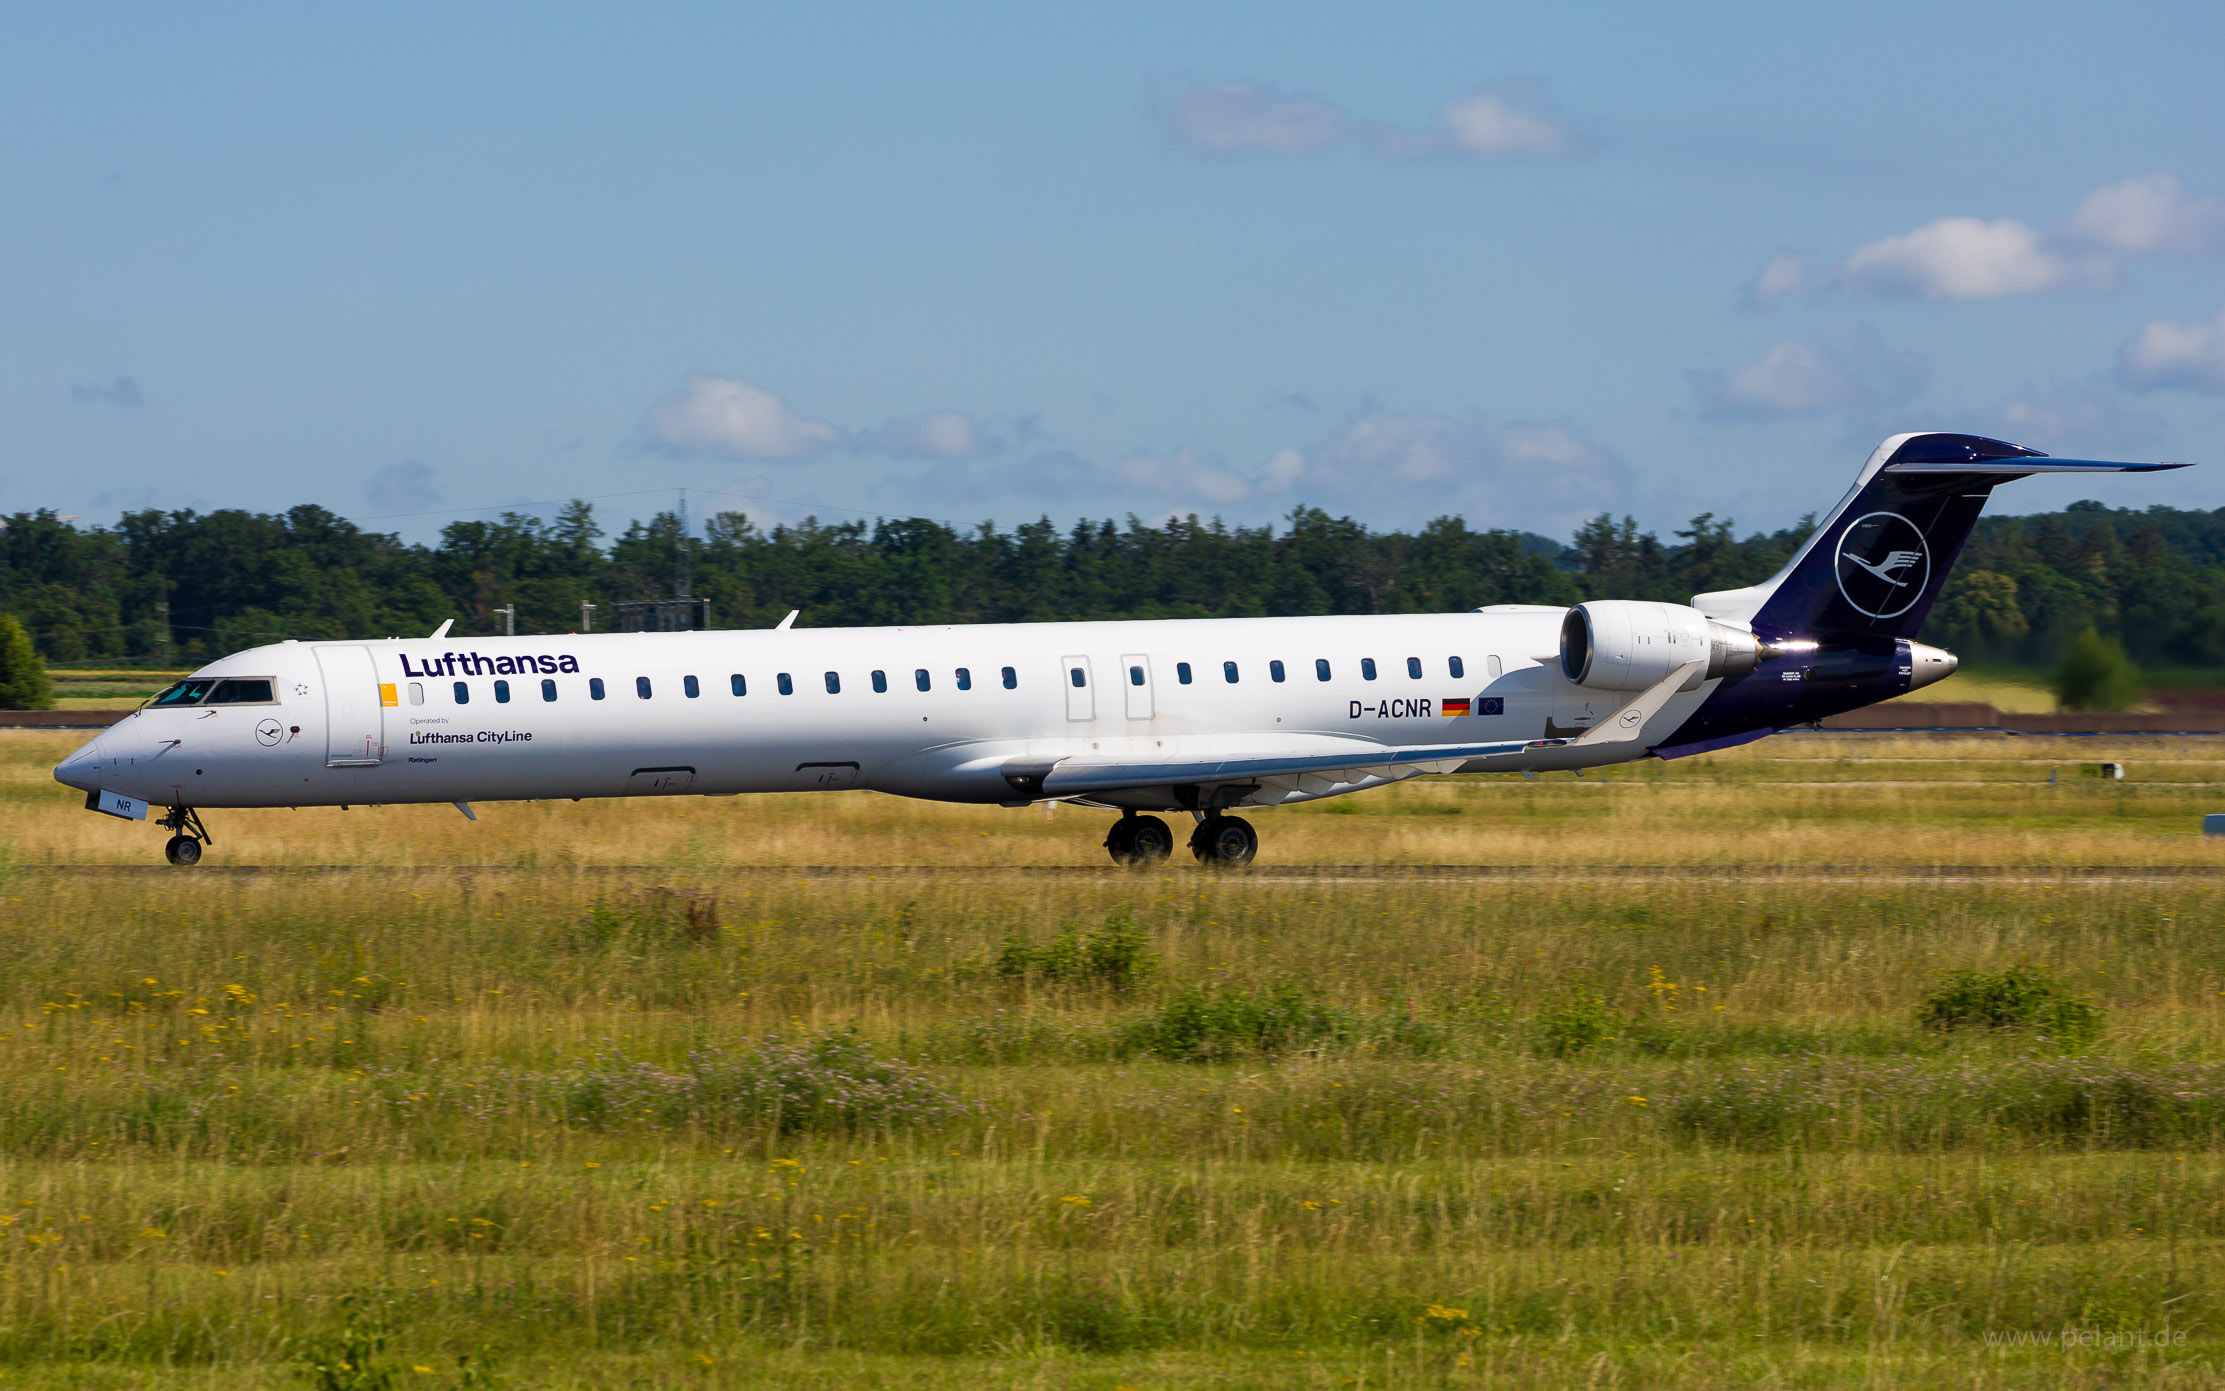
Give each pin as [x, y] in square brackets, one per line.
[1522, 264]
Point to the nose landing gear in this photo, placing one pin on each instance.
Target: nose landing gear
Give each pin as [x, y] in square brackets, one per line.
[1141, 841]
[188, 835]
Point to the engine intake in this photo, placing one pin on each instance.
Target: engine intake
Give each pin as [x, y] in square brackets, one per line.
[1630, 644]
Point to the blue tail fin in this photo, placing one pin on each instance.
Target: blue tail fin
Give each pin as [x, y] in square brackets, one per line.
[1876, 564]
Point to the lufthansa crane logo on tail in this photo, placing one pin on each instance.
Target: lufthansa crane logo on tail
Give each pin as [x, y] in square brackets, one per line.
[1884, 564]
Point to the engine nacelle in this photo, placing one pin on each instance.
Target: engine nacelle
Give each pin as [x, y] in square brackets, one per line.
[1630, 644]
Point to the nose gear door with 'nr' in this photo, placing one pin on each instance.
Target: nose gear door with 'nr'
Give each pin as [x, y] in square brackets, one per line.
[354, 708]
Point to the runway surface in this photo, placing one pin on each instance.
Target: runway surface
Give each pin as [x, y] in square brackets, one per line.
[1256, 874]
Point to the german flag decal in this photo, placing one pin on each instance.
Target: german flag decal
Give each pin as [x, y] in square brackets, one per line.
[1456, 705]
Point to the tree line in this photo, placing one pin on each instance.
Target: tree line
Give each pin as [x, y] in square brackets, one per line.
[170, 587]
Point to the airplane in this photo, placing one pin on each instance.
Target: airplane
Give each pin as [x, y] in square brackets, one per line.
[1204, 716]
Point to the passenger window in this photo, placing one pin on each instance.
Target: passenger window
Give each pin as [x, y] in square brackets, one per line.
[741, 687]
[1414, 668]
[921, 679]
[690, 687]
[1458, 670]
[641, 687]
[1367, 668]
[880, 683]
[463, 694]
[1135, 676]
[502, 693]
[1077, 676]
[1321, 668]
[1011, 679]
[594, 688]
[1274, 671]
[787, 687]
[1228, 672]
[834, 684]
[417, 693]
[1491, 664]
[548, 691]
[965, 679]
[1182, 672]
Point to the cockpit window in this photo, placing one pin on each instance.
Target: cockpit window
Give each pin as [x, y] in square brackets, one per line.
[231, 690]
[241, 690]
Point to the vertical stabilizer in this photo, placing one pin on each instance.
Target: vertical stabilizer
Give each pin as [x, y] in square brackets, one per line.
[1876, 564]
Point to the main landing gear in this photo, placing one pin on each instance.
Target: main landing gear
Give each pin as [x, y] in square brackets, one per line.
[1139, 840]
[1224, 840]
[1144, 841]
[188, 835]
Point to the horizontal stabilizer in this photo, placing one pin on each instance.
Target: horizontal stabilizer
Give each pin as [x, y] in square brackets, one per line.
[2019, 468]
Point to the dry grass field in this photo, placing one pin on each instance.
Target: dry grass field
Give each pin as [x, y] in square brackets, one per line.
[848, 1091]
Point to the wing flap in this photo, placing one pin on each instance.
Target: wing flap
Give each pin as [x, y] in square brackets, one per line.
[1074, 777]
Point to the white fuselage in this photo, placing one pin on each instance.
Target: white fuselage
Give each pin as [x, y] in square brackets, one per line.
[470, 719]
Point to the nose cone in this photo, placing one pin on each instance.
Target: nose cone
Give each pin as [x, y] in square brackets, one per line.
[1927, 664]
[81, 770]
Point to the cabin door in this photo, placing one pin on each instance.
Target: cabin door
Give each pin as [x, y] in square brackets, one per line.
[1081, 700]
[354, 707]
[1135, 685]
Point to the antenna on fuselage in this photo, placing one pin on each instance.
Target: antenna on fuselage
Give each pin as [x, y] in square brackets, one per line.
[788, 622]
[442, 630]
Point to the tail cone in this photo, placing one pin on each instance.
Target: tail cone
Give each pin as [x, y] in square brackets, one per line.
[1927, 664]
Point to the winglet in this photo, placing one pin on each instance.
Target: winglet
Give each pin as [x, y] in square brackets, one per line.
[787, 622]
[442, 630]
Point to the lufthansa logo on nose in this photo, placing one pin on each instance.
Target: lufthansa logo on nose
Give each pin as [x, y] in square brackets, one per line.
[1883, 564]
[268, 733]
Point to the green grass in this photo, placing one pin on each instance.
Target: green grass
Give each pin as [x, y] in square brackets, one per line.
[1172, 1129]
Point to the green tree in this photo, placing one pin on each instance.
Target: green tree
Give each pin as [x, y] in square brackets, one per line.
[23, 683]
[2096, 675]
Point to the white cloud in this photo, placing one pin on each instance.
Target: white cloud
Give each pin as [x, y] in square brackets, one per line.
[2151, 213]
[2166, 354]
[1488, 124]
[2084, 418]
[1965, 258]
[1969, 258]
[1782, 276]
[1790, 379]
[404, 487]
[123, 393]
[1240, 118]
[1188, 474]
[729, 417]
[1377, 462]
[1796, 378]
[935, 435]
[1244, 118]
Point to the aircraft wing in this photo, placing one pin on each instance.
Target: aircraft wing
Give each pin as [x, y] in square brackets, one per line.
[1319, 764]
[1359, 759]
